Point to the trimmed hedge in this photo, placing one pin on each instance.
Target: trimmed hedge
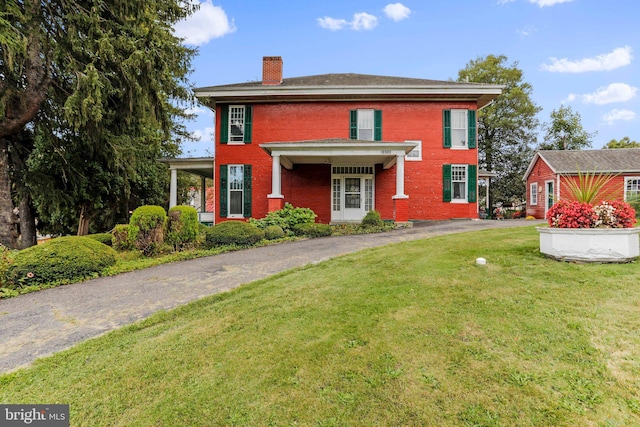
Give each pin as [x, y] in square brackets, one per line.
[66, 259]
[104, 238]
[286, 218]
[233, 233]
[272, 232]
[146, 228]
[182, 226]
[372, 219]
[312, 229]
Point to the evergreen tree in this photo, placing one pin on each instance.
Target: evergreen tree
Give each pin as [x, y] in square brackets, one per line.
[506, 128]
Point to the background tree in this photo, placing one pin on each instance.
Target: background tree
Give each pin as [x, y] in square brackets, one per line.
[506, 128]
[625, 142]
[95, 84]
[565, 131]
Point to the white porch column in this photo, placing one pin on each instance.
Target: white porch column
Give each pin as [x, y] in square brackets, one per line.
[400, 178]
[173, 189]
[203, 194]
[276, 179]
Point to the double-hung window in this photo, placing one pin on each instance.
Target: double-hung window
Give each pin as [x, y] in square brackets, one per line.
[235, 124]
[235, 191]
[533, 194]
[459, 128]
[459, 183]
[366, 125]
[632, 188]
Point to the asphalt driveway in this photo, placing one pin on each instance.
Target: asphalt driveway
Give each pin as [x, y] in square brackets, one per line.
[42, 323]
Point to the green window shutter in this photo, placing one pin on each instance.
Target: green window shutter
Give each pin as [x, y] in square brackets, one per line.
[353, 127]
[472, 179]
[471, 116]
[446, 124]
[446, 183]
[224, 190]
[377, 125]
[224, 124]
[247, 191]
[248, 117]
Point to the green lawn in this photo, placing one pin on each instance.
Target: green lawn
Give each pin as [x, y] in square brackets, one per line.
[409, 334]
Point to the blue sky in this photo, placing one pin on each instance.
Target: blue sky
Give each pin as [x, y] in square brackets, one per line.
[580, 53]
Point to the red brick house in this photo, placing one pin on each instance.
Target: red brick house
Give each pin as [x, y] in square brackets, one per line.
[549, 170]
[344, 144]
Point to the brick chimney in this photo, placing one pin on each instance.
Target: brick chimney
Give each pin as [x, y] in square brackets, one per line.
[271, 70]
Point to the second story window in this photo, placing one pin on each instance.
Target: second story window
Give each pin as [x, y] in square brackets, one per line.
[235, 124]
[459, 128]
[366, 125]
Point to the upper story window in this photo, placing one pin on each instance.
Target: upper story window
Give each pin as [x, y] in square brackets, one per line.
[459, 128]
[366, 125]
[235, 124]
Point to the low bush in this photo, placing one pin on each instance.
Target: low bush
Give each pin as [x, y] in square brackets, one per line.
[120, 238]
[311, 229]
[272, 232]
[64, 259]
[146, 228]
[182, 226]
[372, 219]
[104, 238]
[286, 218]
[233, 233]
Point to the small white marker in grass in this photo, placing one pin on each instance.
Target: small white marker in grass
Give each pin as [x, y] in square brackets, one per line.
[481, 261]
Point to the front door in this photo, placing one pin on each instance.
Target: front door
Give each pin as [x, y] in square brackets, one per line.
[352, 195]
[549, 196]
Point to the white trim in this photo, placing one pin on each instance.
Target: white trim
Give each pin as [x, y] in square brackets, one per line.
[417, 149]
[627, 178]
[533, 193]
[229, 214]
[244, 121]
[466, 184]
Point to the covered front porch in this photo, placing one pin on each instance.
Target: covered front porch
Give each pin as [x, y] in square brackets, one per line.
[353, 165]
[202, 167]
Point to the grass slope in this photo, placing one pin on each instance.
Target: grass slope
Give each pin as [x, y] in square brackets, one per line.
[409, 334]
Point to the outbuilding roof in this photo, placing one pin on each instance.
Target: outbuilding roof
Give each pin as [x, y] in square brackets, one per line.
[619, 160]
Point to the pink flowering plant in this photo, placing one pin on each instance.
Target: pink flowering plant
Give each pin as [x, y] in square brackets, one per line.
[607, 214]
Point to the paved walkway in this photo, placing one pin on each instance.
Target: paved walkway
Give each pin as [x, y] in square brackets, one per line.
[41, 323]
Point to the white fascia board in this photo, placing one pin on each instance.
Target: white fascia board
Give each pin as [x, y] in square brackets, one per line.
[339, 149]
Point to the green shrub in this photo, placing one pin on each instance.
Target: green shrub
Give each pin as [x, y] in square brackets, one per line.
[146, 228]
[286, 218]
[182, 226]
[312, 229]
[272, 232]
[104, 238]
[5, 261]
[66, 259]
[120, 238]
[233, 233]
[372, 219]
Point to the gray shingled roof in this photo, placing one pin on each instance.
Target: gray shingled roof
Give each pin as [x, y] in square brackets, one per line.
[619, 160]
[348, 79]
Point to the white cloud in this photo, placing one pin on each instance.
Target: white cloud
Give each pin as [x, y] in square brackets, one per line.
[501, 2]
[332, 23]
[570, 98]
[397, 11]
[199, 110]
[205, 135]
[543, 3]
[361, 21]
[209, 22]
[606, 62]
[527, 30]
[616, 115]
[615, 92]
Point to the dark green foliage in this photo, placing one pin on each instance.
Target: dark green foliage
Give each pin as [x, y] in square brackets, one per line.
[182, 226]
[104, 238]
[233, 233]
[286, 218]
[272, 232]
[146, 228]
[120, 240]
[312, 229]
[69, 259]
[372, 219]
[565, 131]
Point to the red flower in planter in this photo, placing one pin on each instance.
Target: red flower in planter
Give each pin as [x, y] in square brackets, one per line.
[608, 214]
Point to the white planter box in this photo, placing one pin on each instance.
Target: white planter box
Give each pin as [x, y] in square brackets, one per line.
[590, 244]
